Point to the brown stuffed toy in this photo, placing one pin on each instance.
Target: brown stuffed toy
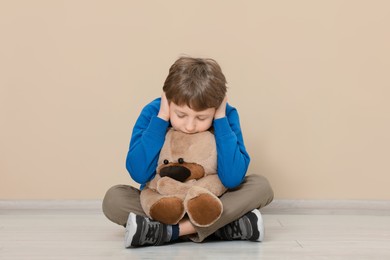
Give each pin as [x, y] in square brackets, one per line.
[186, 181]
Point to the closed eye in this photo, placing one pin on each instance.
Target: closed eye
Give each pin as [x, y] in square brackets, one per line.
[180, 115]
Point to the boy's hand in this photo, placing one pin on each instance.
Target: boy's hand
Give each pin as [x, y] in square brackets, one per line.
[164, 108]
[221, 110]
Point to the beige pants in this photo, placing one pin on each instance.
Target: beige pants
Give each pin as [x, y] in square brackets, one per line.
[254, 192]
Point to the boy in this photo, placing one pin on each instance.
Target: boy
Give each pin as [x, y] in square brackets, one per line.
[193, 100]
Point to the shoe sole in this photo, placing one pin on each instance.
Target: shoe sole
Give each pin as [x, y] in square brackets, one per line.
[260, 224]
[131, 228]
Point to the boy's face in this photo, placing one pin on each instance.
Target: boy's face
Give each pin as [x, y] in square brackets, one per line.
[186, 120]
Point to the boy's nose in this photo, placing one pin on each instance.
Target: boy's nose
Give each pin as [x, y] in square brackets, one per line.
[190, 127]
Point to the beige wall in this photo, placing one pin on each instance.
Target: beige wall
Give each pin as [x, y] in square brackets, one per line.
[310, 79]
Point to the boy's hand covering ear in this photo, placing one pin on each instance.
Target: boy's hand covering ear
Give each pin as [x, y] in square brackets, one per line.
[221, 110]
[164, 108]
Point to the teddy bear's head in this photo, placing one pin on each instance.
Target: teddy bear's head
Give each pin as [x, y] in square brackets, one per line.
[187, 156]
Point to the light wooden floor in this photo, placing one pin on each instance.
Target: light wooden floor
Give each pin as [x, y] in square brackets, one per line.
[87, 234]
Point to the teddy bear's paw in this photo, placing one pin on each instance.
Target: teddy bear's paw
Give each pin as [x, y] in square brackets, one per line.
[168, 210]
[204, 209]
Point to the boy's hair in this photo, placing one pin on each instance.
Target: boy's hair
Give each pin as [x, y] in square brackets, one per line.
[195, 82]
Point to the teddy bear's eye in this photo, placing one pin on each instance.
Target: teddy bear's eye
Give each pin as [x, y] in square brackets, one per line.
[166, 161]
[181, 160]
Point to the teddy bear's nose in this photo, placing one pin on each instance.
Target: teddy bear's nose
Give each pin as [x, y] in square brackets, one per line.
[179, 173]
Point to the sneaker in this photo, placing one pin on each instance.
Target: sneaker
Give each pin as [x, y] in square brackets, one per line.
[248, 227]
[142, 231]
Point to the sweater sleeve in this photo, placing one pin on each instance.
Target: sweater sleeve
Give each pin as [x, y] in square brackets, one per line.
[146, 142]
[233, 159]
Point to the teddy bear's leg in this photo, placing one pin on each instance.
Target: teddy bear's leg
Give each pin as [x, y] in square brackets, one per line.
[203, 207]
[165, 209]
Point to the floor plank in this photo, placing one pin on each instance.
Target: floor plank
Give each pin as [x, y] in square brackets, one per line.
[87, 234]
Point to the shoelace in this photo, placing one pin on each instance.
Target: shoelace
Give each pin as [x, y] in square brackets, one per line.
[152, 234]
[236, 230]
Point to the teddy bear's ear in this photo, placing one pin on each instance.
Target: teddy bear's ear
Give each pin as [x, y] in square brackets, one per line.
[165, 153]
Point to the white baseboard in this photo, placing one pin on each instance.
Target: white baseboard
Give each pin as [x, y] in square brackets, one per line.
[371, 207]
[50, 204]
[375, 207]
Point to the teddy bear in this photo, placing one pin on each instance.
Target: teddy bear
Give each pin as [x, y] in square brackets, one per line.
[186, 181]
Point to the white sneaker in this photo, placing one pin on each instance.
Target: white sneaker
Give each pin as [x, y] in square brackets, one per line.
[142, 231]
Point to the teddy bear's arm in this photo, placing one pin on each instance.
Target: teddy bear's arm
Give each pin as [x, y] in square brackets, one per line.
[169, 186]
[211, 183]
[153, 183]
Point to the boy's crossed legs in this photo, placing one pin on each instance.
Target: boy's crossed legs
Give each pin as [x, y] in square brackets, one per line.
[238, 215]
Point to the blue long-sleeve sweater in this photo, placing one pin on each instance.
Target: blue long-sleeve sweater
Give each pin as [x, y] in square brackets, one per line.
[148, 138]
